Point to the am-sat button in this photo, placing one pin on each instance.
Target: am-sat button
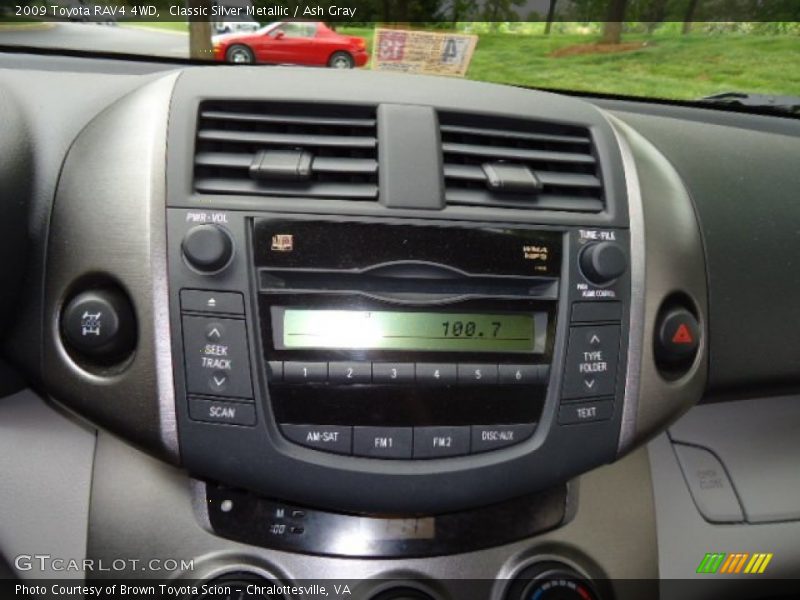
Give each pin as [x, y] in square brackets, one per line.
[330, 438]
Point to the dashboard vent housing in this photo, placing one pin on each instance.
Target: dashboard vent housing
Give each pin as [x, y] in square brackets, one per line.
[497, 161]
[287, 150]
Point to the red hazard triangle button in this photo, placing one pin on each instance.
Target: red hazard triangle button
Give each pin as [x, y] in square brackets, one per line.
[683, 335]
[678, 336]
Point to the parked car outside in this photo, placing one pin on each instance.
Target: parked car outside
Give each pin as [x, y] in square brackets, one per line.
[308, 43]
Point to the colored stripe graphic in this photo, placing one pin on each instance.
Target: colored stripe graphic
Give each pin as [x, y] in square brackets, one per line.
[711, 562]
[758, 563]
[734, 563]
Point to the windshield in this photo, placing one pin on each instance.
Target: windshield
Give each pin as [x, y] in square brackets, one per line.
[677, 49]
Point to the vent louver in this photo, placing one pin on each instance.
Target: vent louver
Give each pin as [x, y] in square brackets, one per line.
[495, 161]
[271, 149]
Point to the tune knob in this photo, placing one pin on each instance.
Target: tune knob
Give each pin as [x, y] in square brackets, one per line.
[550, 580]
[208, 248]
[603, 262]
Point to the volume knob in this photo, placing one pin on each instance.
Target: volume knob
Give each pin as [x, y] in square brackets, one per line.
[207, 248]
[603, 262]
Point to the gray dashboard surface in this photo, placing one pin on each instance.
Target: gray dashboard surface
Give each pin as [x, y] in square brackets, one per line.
[46, 469]
[52, 107]
[744, 186]
[144, 509]
[758, 442]
[684, 536]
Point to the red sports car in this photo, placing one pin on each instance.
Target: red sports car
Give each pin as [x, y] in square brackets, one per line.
[310, 43]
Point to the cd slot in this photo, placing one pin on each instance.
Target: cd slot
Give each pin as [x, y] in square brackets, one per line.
[407, 281]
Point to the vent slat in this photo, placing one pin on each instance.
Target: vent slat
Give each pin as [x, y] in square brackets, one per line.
[320, 164]
[540, 201]
[221, 185]
[223, 160]
[247, 148]
[324, 164]
[286, 119]
[559, 157]
[288, 139]
[498, 152]
[516, 135]
[475, 173]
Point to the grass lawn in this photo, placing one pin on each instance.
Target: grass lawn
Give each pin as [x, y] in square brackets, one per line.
[669, 66]
[180, 26]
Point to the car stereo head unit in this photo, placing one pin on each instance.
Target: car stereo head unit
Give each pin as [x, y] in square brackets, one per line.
[398, 343]
[340, 349]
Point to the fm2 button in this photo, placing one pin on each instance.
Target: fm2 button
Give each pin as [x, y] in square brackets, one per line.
[591, 366]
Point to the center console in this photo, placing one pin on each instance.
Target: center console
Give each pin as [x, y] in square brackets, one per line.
[383, 329]
[363, 352]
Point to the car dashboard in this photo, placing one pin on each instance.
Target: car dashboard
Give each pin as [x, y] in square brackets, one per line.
[419, 336]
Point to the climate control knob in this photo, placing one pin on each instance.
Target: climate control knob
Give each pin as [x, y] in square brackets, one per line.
[603, 262]
[550, 580]
[208, 248]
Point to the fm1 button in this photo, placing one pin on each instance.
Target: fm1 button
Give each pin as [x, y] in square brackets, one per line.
[677, 336]
[382, 442]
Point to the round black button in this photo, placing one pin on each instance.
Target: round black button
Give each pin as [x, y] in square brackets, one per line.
[207, 248]
[603, 262]
[677, 336]
[99, 324]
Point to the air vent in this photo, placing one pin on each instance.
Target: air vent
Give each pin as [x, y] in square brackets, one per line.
[289, 150]
[503, 162]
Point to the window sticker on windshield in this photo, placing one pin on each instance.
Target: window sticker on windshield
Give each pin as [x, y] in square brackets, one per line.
[423, 52]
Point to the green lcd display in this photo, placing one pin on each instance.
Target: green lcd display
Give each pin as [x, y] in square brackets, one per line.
[411, 331]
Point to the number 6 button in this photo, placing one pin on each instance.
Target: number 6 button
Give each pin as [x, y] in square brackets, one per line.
[350, 372]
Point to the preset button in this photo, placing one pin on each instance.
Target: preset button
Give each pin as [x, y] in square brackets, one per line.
[436, 374]
[350, 372]
[392, 372]
[477, 374]
[305, 372]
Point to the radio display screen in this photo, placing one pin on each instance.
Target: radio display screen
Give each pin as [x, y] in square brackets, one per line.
[296, 328]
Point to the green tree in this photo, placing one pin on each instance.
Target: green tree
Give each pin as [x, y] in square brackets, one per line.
[612, 29]
[501, 10]
[688, 17]
[551, 14]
